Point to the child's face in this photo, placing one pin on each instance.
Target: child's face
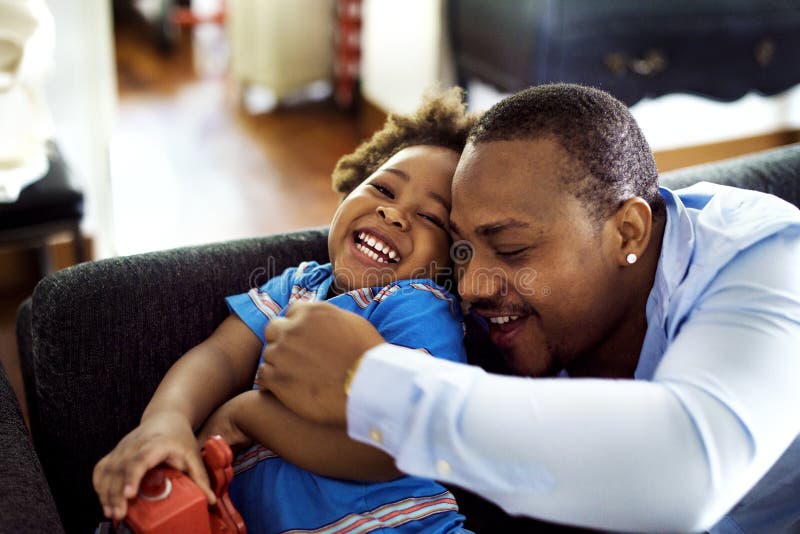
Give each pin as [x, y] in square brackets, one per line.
[394, 225]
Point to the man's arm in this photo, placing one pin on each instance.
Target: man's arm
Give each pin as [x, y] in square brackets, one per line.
[672, 455]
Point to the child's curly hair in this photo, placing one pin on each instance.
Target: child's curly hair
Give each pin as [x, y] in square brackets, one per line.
[441, 120]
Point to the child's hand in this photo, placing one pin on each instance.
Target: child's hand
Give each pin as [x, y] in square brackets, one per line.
[166, 437]
[223, 422]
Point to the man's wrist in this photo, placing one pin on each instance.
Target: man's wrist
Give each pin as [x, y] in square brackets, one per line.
[379, 396]
[350, 374]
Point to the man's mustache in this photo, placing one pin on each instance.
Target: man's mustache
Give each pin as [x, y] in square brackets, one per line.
[498, 306]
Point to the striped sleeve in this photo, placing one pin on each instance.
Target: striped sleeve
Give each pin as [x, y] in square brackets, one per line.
[259, 305]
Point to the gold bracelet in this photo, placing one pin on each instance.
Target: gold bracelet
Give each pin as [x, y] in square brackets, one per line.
[350, 375]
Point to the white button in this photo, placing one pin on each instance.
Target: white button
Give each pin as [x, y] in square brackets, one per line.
[376, 435]
[443, 467]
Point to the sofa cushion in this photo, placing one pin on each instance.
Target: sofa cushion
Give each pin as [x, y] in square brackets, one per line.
[25, 501]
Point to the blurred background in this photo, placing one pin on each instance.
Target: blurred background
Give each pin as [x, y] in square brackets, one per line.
[129, 126]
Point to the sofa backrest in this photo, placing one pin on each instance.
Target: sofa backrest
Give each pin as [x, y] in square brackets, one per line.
[100, 336]
[775, 171]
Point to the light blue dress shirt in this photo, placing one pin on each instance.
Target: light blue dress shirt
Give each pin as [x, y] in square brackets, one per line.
[705, 437]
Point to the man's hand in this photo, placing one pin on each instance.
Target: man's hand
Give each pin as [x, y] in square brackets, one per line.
[309, 355]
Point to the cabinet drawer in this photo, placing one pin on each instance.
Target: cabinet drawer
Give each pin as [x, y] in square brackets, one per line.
[632, 49]
[721, 56]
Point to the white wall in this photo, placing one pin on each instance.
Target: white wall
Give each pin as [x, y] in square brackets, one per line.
[403, 51]
[81, 91]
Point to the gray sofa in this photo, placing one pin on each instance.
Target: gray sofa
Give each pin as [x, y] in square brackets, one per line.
[95, 340]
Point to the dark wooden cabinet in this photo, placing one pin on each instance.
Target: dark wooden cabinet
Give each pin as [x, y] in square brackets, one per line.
[632, 49]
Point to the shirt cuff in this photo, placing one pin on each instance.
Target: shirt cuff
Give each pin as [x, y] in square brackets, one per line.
[383, 394]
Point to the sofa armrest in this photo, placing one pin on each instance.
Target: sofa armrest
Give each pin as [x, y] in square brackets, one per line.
[25, 501]
[104, 333]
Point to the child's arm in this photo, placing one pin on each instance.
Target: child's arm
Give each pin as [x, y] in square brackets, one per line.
[195, 385]
[321, 449]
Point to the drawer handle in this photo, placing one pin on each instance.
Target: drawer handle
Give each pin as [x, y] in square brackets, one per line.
[764, 52]
[652, 62]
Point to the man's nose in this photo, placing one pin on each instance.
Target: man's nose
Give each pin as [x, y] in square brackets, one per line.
[478, 280]
[394, 217]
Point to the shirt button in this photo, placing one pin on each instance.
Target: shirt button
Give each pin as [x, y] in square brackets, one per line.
[444, 468]
[376, 435]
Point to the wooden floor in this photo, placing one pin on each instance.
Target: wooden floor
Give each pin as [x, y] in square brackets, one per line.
[190, 166]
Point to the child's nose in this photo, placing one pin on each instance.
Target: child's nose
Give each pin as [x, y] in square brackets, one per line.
[393, 217]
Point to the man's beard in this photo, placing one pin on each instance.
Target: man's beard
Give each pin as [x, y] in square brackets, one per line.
[553, 357]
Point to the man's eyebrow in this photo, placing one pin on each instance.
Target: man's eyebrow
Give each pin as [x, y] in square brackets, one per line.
[490, 229]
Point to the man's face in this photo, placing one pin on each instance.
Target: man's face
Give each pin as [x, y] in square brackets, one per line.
[542, 273]
[395, 225]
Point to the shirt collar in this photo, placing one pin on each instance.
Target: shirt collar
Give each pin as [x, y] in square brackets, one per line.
[677, 247]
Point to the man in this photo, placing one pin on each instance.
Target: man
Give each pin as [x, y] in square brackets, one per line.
[676, 316]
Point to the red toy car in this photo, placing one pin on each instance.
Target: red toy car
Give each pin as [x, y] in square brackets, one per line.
[170, 502]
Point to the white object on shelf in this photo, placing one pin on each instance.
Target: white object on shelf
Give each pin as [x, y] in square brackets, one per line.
[681, 120]
[26, 49]
[281, 46]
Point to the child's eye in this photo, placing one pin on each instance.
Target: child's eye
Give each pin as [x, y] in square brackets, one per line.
[434, 219]
[385, 191]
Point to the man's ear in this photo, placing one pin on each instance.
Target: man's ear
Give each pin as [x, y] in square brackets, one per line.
[633, 223]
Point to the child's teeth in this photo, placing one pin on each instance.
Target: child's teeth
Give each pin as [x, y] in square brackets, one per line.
[376, 246]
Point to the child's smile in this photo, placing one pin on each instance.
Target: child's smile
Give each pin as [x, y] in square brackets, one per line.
[376, 247]
[394, 225]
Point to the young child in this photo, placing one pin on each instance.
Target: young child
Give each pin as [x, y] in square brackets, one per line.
[388, 246]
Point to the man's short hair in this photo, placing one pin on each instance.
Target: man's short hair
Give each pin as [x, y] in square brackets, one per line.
[441, 120]
[614, 161]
